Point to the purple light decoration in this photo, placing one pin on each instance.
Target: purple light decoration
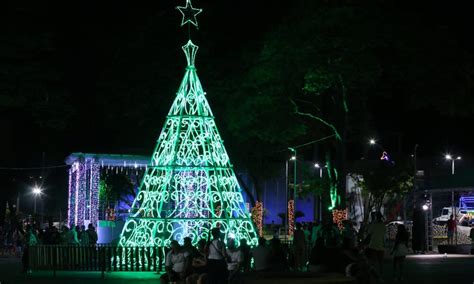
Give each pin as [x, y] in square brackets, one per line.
[76, 200]
[94, 196]
[385, 156]
[69, 213]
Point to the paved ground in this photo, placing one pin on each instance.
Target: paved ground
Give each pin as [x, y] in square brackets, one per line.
[453, 269]
[435, 268]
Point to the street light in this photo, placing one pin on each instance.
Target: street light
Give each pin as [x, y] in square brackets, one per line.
[452, 159]
[372, 141]
[37, 191]
[317, 166]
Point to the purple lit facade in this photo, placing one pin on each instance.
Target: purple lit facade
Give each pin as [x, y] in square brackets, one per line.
[84, 180]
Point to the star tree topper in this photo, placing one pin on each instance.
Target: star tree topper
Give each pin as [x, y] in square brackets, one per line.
[189, 14]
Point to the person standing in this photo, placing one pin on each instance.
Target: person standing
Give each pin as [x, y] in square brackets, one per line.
[452, 228]
[29, 241]
[315, 233]
[198, 269]
[72, 237]
[216, 260]
[175, 263]
[260, 256]
[92, 234]
[399, 251]
[84, 236]
[235, 261]
[375, 248]
[349, 235]
[245, 249]
[299, 248]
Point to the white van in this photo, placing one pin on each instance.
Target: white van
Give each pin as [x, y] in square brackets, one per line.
[446, 213]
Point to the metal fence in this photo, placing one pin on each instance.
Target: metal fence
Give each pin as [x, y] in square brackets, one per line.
[95, 258]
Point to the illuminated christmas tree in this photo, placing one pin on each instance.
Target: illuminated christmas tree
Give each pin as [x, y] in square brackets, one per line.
[189, 186]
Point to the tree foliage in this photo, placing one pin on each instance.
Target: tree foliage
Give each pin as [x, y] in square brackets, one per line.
[381, 181]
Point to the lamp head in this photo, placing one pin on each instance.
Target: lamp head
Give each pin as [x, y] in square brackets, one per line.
[448, 157]
[37, 190]
[372, 141]
[317, 166]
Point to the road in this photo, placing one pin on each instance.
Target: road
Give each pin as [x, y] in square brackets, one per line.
[433, 269]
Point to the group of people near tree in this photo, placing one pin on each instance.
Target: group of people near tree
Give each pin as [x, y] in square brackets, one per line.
[324, 247]
[213, 261]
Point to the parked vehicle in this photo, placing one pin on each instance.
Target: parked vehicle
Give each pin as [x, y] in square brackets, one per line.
[445, 214]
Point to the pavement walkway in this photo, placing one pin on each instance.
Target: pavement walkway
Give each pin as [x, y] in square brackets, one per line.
[429, 268]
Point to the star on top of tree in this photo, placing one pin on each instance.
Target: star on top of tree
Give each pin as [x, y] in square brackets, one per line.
[189, 13]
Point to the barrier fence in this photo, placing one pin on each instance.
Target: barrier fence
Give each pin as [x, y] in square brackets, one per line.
[95, 258]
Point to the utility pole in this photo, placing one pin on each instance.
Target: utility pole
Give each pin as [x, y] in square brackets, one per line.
[414, 186]
[294, 158]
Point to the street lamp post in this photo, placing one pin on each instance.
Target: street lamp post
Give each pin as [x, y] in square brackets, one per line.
[414, 185]
[294, 182]
[318, 166]
[36, 192]
[452, 159]
[320, 169]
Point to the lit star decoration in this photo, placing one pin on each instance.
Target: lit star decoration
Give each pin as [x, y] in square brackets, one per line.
[189, 14]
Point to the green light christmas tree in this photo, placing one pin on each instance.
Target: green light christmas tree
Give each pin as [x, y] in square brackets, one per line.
[189, 186]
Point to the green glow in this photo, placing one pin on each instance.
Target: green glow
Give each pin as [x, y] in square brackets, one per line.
[335, 198]
[190, 185]
[312, 116]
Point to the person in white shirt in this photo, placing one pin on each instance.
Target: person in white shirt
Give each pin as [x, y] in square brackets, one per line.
[235, 260]
[260, 256]
[174, 264]
[216, 260]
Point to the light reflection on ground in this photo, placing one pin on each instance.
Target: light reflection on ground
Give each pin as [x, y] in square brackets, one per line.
[435, 256]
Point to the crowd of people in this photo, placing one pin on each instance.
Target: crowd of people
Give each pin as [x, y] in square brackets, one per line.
[21, 238]
[319, 248]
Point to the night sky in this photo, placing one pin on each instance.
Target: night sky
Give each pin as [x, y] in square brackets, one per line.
[84, 52]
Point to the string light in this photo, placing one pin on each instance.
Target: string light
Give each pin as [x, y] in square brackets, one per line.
[189, 186]
[291, 217]
[94, 193]
[339, 216]
[257, 217]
